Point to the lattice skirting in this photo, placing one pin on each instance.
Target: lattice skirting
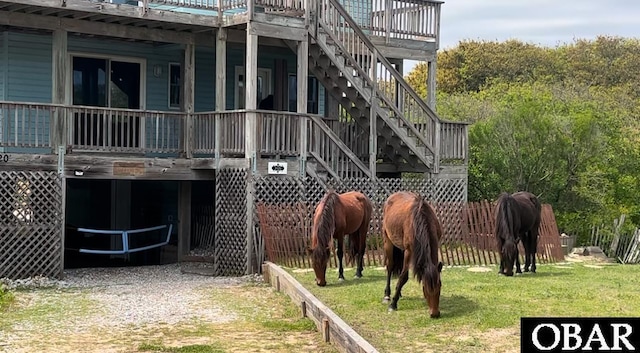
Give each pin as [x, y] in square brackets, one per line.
[30, 224]
[231, 245]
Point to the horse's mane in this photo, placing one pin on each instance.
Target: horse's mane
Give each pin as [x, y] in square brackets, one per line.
[507, 224]
[426, 228]
[326, 225]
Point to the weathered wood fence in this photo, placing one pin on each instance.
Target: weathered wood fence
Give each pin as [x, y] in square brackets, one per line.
[468, 234]
[617, 242]
[332, 327]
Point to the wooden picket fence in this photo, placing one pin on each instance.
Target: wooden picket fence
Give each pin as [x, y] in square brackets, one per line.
[468, 235]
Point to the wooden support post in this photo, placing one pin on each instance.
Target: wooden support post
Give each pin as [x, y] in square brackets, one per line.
[399, 100]
[303, 307]
[188, 100]
[251, 131]
[184, 219]
[325, 329]
[431, 84]
[251, 96]
[221, 82]
[303, 79]
[373, 120]
[60, 61]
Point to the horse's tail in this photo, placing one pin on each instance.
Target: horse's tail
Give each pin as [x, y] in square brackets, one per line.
[327, 224]
[506, 224]
[427, 232]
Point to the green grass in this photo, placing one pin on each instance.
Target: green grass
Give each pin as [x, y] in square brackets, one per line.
[48, 311]
[6, 298]
[480, 310]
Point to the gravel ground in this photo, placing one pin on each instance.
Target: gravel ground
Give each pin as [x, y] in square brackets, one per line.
[123, 297]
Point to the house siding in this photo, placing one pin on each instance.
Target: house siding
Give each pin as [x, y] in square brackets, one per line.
[205, 80]
[4, 54]
[29, 68]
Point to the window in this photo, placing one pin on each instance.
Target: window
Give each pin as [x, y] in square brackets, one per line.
[312, 94]
[92, 85]
[174, 85]
[263, 86]
[107, 82]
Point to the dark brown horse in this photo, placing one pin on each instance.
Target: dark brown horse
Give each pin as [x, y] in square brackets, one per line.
[335, 216]
[518, 218]
[411, 233]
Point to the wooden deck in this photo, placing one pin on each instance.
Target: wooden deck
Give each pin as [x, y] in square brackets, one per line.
[403, 29]
[123, 143]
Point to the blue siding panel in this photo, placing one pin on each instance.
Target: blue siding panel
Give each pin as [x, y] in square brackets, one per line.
[4, 58]
[205, 80]
[29, 68]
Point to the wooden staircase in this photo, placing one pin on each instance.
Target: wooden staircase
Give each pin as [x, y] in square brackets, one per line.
[349, 66]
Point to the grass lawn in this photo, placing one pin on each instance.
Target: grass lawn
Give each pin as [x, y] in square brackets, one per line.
[480, 310]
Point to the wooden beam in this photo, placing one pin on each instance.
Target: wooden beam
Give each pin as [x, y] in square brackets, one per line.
[303, 79]
[279, 31]
[405, 49]
[431, 85]
[86, 166]
[240, 36]
[126, 11]
[221, 84]
[100, 28]
[251, 132]
[373, 119]
[251, 93]
[59, 60]
[184, 219]
[188, 93]
[341, 335]
[278, 20]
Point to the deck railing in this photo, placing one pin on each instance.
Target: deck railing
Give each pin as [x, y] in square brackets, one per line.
[124, 130]
[404, 19]
[25, 126]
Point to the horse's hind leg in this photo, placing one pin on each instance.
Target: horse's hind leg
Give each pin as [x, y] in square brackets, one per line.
[533, 249]
[340, 253]
[388, 250]
[402, 280]
[359, 241]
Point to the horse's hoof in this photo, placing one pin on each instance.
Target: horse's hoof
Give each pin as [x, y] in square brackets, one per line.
[527, 270]
[391, 309]
[386, 300]
[340, 279]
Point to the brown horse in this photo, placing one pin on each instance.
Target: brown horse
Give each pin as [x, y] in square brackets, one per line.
[518, 218]
[335, 216]
[411, 233]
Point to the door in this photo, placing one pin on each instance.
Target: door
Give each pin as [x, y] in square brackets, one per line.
[106, 83]
[263, 86]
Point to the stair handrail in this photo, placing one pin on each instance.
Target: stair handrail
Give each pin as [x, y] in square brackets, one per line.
[385, 62]
[317, 120]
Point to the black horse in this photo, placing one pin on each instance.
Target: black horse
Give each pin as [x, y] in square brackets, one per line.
[518, 218]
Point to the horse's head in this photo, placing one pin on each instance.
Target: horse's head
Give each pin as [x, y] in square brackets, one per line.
[509, 254]
[432, 293]
[320, 259]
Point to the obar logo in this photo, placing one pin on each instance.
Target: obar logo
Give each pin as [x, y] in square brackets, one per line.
[593, 334]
